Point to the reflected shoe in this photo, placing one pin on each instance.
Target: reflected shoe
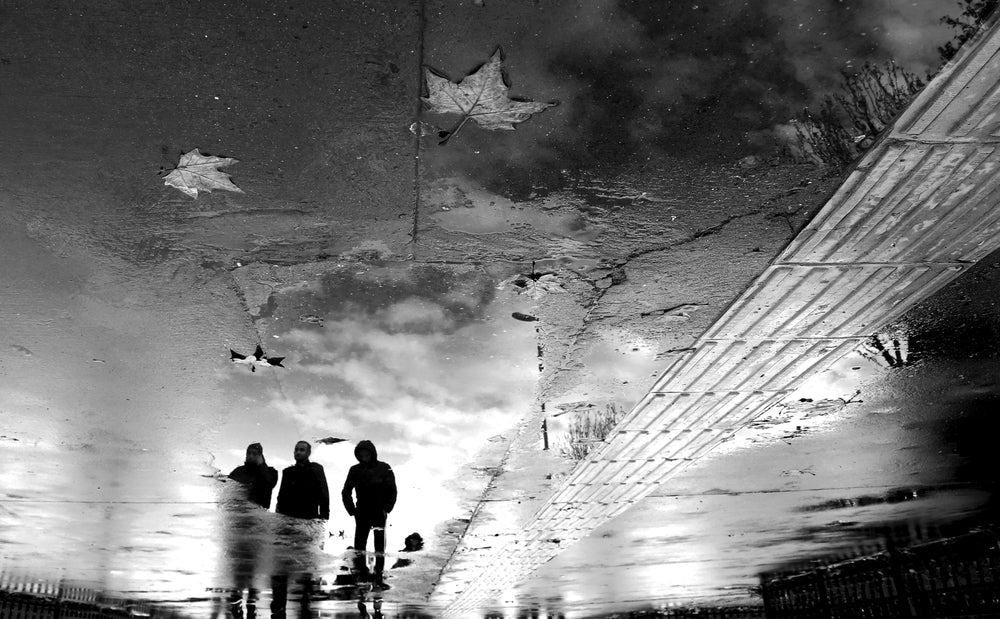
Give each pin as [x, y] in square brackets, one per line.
[362, 609]
[378, 583]
[236, 609]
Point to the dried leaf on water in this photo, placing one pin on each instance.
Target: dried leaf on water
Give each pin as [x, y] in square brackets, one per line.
[258, 358]
[480, 96]
[196, 172]
[330, 440]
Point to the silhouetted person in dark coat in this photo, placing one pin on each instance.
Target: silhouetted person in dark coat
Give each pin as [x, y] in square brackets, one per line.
[243, 529]
[303, 492]
[375, 486]
[255, 473]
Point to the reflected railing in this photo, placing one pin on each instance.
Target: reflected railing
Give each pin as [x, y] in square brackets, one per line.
[955, 576]
[27, 597]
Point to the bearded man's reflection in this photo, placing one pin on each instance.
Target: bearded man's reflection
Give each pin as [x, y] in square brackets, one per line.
[305, 496]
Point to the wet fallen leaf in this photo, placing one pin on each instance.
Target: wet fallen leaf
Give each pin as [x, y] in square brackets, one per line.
[524, 317]
[536, 285]
[258, 358]
[196, 172]
[330, 440]
[480, 96]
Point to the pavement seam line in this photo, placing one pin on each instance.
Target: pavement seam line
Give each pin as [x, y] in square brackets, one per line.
[422, 19]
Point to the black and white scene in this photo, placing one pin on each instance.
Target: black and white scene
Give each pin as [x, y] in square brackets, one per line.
[499, 309]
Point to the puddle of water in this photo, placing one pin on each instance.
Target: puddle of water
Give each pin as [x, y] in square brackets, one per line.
[426, 362]
[463, 206]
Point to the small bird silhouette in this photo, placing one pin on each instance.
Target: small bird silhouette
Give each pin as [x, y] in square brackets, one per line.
[257, 358]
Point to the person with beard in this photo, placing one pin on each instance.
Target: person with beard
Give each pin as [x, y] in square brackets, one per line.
[304, 492]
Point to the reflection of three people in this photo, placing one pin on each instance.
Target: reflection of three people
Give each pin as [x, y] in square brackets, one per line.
[304, 494]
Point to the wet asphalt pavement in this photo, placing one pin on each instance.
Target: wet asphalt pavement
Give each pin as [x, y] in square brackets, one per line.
[386, 269]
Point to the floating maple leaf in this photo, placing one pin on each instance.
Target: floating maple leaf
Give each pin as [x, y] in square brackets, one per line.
[258, 358]
[195, 171]
[480, 96]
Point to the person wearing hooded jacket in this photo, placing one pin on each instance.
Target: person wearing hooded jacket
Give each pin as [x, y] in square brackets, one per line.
[374, 483]
[257, 475]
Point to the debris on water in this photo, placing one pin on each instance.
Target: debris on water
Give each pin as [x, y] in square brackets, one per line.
[22, 349]
[573, 407]
[196, 172]
[480, 97]
[422, 129]
[676, 312]
[257, 358]
[311, 319]
[797, 472]
[537, 285]
[330, 440]
[524, 317]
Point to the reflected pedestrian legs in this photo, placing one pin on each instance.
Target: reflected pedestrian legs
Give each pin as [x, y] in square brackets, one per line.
[363, 525]
[279, 595]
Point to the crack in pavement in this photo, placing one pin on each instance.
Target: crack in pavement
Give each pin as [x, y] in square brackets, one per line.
[587, 319]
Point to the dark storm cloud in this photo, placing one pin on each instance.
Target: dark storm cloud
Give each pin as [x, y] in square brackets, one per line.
[711, 75]
[644, 79]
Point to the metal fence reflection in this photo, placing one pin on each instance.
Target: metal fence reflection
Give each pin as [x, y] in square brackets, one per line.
[24, 597]
[953, 577]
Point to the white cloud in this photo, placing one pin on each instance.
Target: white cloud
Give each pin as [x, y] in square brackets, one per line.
[426, 387]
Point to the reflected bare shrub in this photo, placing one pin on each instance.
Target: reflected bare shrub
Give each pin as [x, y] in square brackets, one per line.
[974, 13]
[588, 430]
[849, 121]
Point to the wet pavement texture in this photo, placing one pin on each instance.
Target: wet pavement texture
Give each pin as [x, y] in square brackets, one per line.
[390, 271]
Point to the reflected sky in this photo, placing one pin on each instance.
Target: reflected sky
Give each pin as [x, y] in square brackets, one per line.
[424, 361]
